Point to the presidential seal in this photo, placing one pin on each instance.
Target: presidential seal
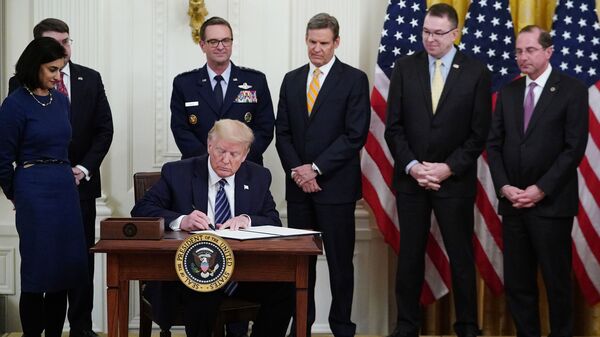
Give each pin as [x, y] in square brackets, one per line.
[204, 262]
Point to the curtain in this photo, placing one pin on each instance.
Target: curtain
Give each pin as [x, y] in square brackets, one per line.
[494, 317]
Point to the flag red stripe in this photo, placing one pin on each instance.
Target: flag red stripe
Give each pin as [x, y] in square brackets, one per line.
[439, 259]
[378, 103]
[386, 225]
[486, 269]
[588, 231]
[488, 212]
[594, 127]
[590, 179]
[376, 152]
[590, 292]
[427, 296]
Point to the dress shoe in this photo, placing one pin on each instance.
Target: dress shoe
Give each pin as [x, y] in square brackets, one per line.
[83, 333]
[399, 333]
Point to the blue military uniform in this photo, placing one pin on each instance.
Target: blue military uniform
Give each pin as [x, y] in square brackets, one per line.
[194, 109]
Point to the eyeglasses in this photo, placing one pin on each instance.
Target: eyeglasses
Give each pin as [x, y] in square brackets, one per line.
[527, 51]
[214, 43]
[435, 35]
[66, 42]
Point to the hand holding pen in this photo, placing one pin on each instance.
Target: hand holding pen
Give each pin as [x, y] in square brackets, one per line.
[195, 221]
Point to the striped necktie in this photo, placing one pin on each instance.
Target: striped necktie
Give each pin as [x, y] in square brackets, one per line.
[61, 87]
[313, 90]
[437, 85]
[222, 209]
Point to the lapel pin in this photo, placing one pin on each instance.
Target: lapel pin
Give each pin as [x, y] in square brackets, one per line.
[456, 66]
[552, 89]
[234, 79]
[203, 80]
[80, 78]
[246, 187]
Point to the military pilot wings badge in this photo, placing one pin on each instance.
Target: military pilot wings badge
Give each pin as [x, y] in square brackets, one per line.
[204, 262]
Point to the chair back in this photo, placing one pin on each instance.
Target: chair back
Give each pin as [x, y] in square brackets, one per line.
[142, 181]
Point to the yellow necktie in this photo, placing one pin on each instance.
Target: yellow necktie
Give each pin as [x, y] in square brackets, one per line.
[313, 90]
[437, 85]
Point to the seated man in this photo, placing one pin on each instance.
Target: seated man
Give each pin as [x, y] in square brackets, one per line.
[223, 189]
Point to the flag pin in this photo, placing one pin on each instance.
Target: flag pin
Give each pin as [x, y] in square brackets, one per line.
[552, 89]
[246, 187]
[455, 66]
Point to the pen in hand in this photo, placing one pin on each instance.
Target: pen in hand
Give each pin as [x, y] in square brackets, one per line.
[210, 225]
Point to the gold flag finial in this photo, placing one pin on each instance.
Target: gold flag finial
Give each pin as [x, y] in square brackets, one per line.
[197, 12]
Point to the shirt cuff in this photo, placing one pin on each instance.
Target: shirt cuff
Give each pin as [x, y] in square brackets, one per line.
[410, 165]
[316, 168]
[249, 219]
[85, 171]
[175, 225]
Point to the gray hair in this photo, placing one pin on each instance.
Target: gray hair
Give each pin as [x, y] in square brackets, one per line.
[324, 20]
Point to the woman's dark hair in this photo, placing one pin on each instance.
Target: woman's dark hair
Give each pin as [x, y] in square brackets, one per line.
[39, 51]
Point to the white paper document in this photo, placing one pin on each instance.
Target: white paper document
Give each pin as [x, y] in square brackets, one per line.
[259, 232]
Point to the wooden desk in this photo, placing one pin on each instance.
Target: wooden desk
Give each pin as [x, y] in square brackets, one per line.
[284, 259]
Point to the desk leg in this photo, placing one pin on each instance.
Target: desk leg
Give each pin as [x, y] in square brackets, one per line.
[301, 295]
[112, 298]
[123, 308]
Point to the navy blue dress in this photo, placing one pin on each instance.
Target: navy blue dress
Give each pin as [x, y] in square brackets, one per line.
[48, 218]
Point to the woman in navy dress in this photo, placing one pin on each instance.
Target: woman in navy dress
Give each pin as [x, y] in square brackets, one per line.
[34, 134]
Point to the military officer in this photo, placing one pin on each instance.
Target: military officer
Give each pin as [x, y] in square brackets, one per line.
[220, 90]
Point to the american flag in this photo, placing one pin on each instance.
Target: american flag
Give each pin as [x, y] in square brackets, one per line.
[401, 35]
[488, 35]
[576, 36]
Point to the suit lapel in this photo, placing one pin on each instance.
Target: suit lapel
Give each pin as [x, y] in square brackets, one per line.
[331, 82]
[301, 92]
[422, 71]
[549, 91]
[452, 78]
[242, 191]
[517, 104]
[77, 83]
[206, 91]
[232, 90]
[200, 185]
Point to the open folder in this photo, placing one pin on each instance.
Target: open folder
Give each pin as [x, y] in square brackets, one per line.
[260, 232]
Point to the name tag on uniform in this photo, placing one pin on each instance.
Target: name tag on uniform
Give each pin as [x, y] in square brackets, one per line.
[246, 96]
[195, 103]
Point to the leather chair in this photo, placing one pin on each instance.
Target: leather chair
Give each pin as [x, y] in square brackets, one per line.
[232, 309]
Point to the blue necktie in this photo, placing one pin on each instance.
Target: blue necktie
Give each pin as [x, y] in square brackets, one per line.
[222, 209]
[222, 214]
[219, 92]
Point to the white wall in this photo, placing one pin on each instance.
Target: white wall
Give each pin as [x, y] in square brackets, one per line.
[139, 47]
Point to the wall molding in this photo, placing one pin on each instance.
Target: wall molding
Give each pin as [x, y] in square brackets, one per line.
[7, 268]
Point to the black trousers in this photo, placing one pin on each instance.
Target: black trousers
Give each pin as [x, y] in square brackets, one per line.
[455, 220]
[530, 241]
[42, 312]
[81, 299]
[200, 309]
[336, 222]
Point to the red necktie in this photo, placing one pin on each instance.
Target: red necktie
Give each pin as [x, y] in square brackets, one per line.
[60, 86]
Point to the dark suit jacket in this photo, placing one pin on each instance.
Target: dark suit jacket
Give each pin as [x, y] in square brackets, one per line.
[331, 138]
[91, 123]
[190, 124]
[454, 135]
[548, 153]
[183, 186]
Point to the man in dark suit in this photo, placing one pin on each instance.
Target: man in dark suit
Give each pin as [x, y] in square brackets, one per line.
[538, 137]
[92, 132]
[438, 118]
[219, 90]
[187, 197]
[322, 123]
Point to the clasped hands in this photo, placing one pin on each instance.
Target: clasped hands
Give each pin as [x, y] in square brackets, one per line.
[430, 175]
[306, 178]
[197, 221]
[526, 198]
[78, 174]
